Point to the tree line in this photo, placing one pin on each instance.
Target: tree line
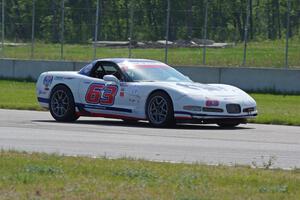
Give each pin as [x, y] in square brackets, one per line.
[226, 19]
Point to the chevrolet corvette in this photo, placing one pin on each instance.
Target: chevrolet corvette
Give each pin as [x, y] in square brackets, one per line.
[141, 89]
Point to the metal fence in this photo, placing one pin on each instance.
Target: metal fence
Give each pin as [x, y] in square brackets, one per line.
[63, 43]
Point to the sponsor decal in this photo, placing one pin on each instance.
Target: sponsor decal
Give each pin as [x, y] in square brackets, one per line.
[122, 92]
[47, 81]
[134, 90]
[58, 78]
[135, 99]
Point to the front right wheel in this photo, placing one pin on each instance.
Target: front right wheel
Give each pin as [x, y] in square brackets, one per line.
[159, 110]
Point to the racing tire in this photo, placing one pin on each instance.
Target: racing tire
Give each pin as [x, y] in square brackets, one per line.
[159, 110]
[62, 105]
[228, 124]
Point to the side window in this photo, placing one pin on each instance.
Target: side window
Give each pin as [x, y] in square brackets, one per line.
[106, 68]
[111, 69]
[98, 72]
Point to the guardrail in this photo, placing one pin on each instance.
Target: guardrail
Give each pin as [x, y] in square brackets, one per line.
[249, 79]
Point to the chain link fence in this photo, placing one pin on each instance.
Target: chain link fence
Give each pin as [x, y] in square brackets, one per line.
[202, 33]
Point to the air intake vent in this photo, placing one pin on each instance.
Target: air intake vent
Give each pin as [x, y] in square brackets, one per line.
[206, 109]
[233, 108]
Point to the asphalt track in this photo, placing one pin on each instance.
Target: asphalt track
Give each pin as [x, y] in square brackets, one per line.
[248, 144]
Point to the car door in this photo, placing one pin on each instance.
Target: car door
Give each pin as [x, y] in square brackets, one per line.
[105, 98]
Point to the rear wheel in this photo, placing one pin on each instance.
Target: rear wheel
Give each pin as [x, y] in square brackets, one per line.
[159, 110]
[62, 105]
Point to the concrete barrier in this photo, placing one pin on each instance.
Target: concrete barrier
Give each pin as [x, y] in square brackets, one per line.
[280, 80]
[250, 79]
[7, 68]
[33, 69]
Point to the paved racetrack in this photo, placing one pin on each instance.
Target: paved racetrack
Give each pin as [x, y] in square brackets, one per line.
[247, 144]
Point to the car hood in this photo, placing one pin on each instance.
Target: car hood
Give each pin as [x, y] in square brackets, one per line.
[207, 90]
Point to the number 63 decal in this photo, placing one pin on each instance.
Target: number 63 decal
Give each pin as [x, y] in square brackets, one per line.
[99, 93]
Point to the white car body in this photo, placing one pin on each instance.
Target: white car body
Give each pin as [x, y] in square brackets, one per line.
[192, 102]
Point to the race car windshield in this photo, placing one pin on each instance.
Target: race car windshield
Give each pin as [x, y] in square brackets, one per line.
[154, 73]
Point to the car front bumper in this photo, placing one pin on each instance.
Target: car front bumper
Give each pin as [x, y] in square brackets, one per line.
[200, 118]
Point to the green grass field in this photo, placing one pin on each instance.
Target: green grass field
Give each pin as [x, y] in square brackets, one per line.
[18, 95]
[259, 54]
[278, 109]
[273, 109]
[42, 176]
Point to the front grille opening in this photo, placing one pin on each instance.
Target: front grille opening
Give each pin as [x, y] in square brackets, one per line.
[206, 109]
[233, 108]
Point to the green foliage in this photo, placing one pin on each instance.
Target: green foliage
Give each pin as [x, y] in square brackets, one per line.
[226, 19]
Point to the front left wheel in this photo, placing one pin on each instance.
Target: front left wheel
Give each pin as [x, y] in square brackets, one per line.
[62, 105]
[159, 110]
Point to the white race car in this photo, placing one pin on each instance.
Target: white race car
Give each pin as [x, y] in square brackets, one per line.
[140, 89]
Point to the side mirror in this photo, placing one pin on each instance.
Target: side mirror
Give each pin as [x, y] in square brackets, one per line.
[111, 78]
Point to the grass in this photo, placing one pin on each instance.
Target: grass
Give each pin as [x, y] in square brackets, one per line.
[18, 95]
[42, 176]
[273, 108]
[277, 109]
[259, 54]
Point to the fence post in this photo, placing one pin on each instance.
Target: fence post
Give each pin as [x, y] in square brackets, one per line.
[32, 28]
[167, 31]
[205, 33]
[287, 34]
[62, 29]
[246, 32]
[96, 29]
[130, 29]
[3, 25]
